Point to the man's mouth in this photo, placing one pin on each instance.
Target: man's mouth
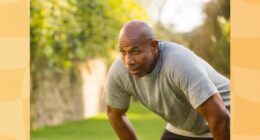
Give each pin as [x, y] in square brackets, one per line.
[134, 71]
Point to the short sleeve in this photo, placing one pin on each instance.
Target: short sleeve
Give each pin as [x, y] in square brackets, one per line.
[115, 93]
[192, 78]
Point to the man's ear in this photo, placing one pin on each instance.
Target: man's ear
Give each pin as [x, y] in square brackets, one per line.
[154, 45]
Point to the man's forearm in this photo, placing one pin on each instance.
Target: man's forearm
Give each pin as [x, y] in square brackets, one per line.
[217, 116]
[221, 130]
[123, 127]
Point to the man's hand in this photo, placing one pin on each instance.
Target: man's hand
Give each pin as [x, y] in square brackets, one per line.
[120, 123]
[217, 116]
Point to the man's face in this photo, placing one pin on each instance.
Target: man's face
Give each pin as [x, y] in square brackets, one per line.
[137, 56]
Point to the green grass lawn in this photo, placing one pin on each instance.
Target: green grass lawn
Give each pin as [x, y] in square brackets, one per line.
[148, 126]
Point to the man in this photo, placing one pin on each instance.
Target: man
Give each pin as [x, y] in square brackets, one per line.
[171, 81]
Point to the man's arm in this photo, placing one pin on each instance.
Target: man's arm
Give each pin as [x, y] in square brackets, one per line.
[217, 116]
[120, 123]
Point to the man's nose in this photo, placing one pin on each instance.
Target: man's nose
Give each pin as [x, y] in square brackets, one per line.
[129, 60]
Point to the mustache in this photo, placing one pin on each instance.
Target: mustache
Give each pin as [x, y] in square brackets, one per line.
[132, 68]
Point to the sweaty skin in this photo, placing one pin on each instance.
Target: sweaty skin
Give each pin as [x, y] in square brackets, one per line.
[139, 50]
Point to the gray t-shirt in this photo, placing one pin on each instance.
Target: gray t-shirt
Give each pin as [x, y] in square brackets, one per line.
[179, 83]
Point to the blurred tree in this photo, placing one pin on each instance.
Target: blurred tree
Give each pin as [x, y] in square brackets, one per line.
[63, 31]
[67, 32]
[211, 40]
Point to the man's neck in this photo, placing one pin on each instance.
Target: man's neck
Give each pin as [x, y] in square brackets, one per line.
[155, 60]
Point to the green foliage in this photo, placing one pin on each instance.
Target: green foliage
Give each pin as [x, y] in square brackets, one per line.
[218, 26]
[64, 32]
[211, 41]
[221, 47]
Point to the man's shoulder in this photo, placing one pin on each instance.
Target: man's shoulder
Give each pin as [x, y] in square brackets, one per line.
[173, 53]
[176, 58]
[173, 48]
[117, 69]
[118, 63]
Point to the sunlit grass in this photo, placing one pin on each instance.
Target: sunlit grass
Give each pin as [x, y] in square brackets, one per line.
[147, 125]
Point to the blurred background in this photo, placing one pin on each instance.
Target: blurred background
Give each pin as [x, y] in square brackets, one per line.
[73, 43]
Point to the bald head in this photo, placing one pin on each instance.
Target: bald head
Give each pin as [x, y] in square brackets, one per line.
[136, 30]
[138, 47]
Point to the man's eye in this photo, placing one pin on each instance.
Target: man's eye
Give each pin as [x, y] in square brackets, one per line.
[122, 52]
[135, 52]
